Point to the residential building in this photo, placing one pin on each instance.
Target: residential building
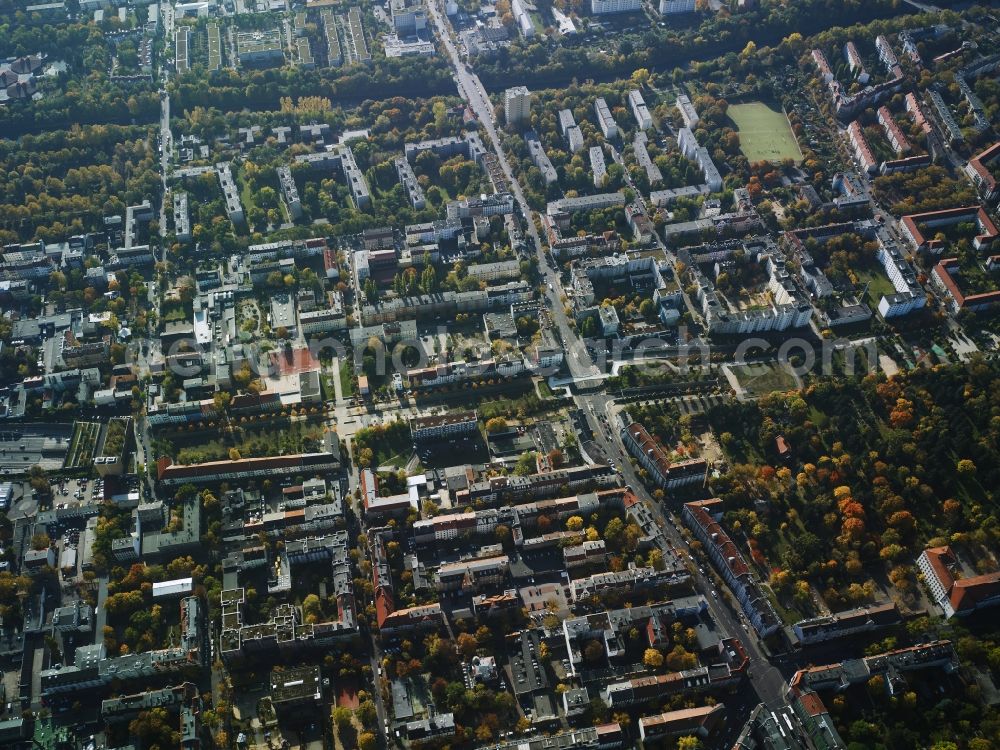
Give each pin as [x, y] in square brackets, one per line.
[430, 728]
[948, 121]
[182, 219]
[566, 121]
[597, 166]
[408, 18]
[522, 18]
[246, 468]
[414, 193]
[517, 105]
[689, 115]
[341, 160]
[586, 203]
[695, 722]
[601, 737]
[289, 191]
[230, 193]
[946, 278]
[471, 576]
[909, 294]
[979, 171]
[674, 7]
[37, 560]
[666, 474]
[729, 563]
[893, 134]
[607, 7]
[885, 53]
[93, 669]
[691, 149]
[540, 158]
[574, 136]
[445, 426]
[847, 623]
[823, 65]
[653, 173]
[804, 724]
[605, 120]
[955, 594]
[260, 48]
[862, 151]
[988, 232]
[855, 64]
[182, 38]
[285, 632]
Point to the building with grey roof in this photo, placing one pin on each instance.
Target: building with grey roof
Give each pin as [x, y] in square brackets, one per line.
[289, 191]
[653, 173]
[597, 166]
[540, 158]
[639, 110]
[605, 120]
[230, 193]
[341, 159]
[182, 219]
[414, 193]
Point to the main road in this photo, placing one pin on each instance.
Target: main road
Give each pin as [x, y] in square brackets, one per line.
[766, 679]
[472, 90]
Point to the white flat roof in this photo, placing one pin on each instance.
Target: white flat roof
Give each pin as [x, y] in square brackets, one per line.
[173, 588]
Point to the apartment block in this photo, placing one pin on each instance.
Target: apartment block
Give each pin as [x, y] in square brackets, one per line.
[607, 7]
[182, 218]
[729, 563]
[674, 7]
[639, 110]
[230, 192]
[979, 171]
[540, 158]
[444, 427]
[955, 594]
[517, 104]
[289, 191]
[689, 115]
[597, 166]
[605, 120]
[666, 474]
[414, 193]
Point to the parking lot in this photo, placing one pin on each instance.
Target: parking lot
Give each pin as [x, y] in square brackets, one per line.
[77, 492]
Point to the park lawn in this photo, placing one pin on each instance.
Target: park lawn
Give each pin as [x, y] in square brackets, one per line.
[765, 134]
[879, 284]
[763, 378]
[346, 376]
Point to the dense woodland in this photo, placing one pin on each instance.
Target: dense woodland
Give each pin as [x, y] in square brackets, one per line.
[879, 470]
[535, 63]
[84, 93]
[63, 182]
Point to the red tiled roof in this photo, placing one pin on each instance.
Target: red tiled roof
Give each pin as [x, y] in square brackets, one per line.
[384, 605]
[967, 593]
[986, 225]
[861, 143]
[980, 160]
[812, 704]
[963, 593]
[294, 361]
[715, 532]
[943, 271]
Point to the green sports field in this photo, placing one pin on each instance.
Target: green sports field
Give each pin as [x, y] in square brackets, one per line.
[765, 134]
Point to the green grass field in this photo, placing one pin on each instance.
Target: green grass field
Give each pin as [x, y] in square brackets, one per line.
[765, 134]
[879, 284]
[762, 378]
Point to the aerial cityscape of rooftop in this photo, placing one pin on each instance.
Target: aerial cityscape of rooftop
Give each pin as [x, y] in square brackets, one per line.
[500, 375]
